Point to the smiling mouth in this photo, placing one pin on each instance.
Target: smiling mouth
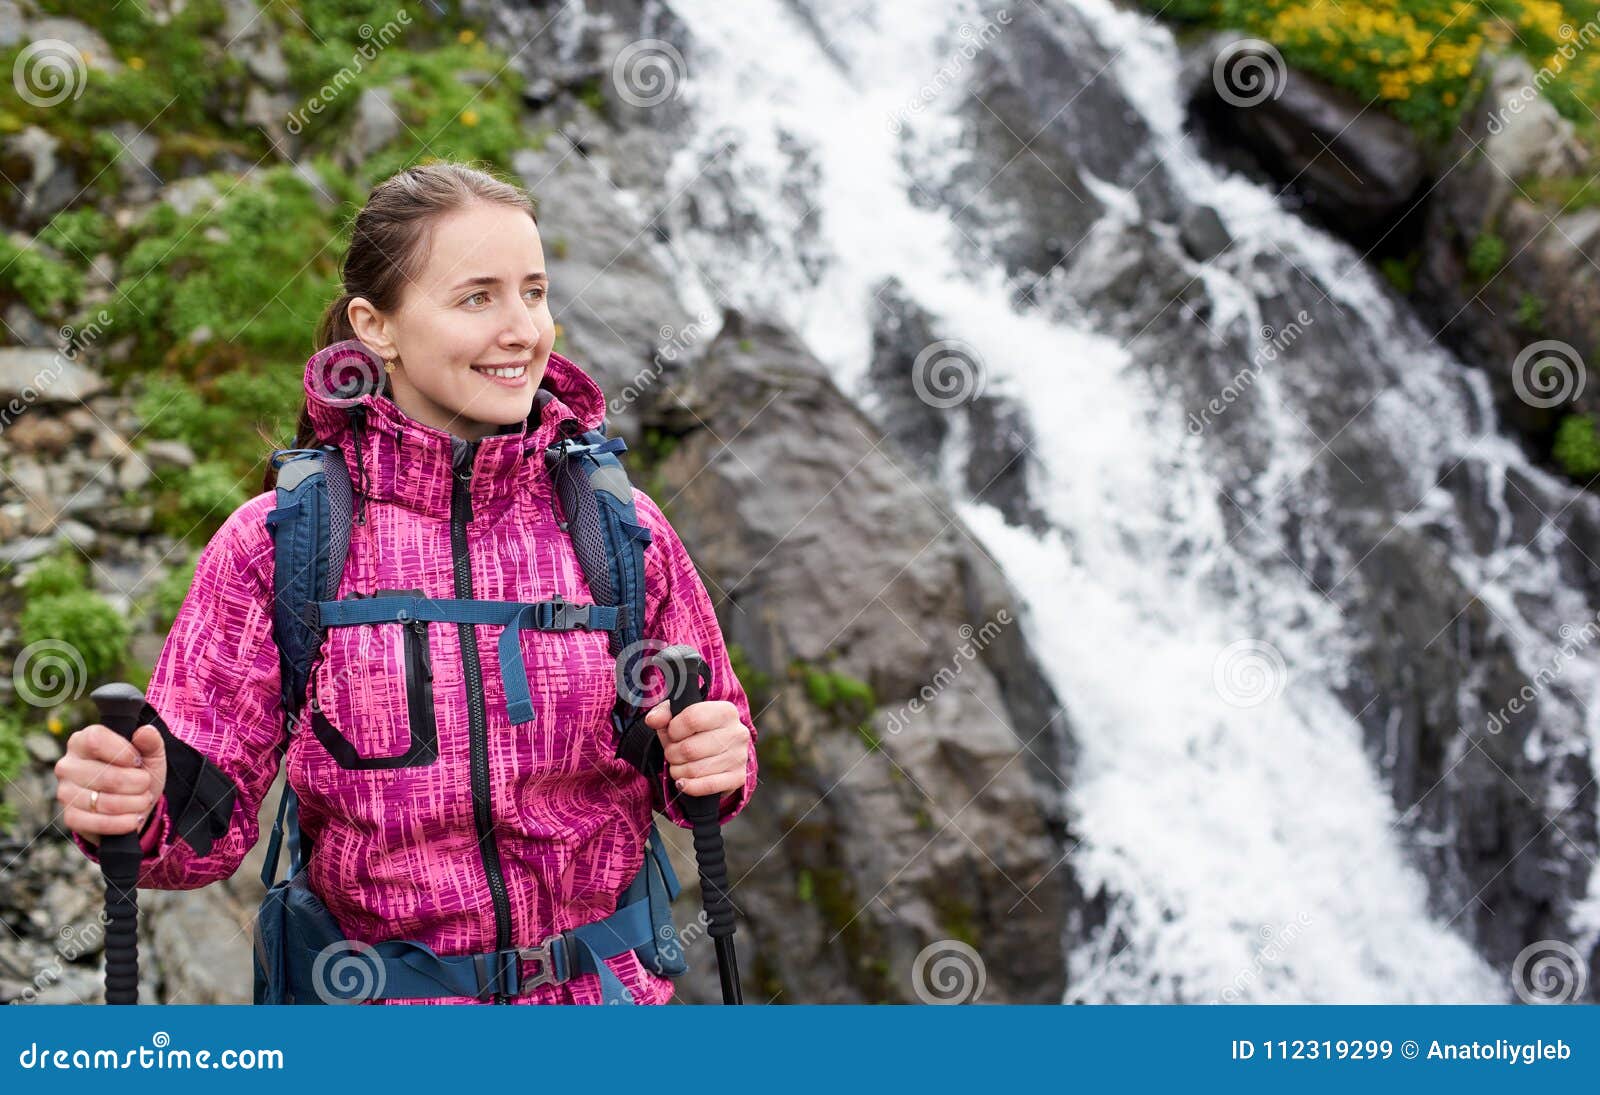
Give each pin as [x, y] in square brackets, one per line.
[505, 372]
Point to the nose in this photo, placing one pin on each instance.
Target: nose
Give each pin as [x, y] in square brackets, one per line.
[519, 331]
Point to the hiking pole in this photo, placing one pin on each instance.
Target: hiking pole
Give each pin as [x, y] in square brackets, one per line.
[688, 677]
[120, 856]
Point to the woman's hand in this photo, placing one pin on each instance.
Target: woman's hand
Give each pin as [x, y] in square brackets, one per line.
[707, 747]
[130, 779]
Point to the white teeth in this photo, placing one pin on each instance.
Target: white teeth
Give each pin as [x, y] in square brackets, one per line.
[511, 373]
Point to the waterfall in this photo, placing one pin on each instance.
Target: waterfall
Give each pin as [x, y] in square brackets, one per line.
[1226, 804]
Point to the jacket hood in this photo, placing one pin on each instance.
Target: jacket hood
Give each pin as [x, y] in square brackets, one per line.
[394, 458]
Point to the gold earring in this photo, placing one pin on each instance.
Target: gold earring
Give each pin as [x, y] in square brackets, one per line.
[388, 365]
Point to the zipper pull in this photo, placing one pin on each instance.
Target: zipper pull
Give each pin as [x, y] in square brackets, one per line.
[419, 628]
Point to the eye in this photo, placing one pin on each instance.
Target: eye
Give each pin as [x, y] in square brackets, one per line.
[538, 291]
[479, 293]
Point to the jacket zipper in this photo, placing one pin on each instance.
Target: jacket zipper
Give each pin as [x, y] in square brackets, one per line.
[460, 514]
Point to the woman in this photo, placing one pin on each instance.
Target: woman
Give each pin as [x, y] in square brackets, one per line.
[504, 833]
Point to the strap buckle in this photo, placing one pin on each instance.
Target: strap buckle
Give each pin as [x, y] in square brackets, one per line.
[553, 969]
[557, 614]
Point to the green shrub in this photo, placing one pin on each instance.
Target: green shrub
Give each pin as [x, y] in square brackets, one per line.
[55, 574]
[79, 232]
[83, 620]
[1486, 255]
[1576, 448]
[12, 757]
[43, 283]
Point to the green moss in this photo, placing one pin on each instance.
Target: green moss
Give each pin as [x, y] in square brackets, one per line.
[82, 232]
[1576, 448]
[1401, 273]
[205, 292]
[804, 889]
[775, 755]
[45, 284]
[55, 574]
[956, 916]
[1486, 255]
[206, 495]
[745, 345]
[1530, 311]
[12, 757]
[593, 95]
[85, 621]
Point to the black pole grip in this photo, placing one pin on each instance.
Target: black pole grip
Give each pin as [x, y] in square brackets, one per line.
[688, 677]
[119, 705]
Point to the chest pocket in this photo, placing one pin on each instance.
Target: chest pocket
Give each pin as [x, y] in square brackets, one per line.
[372, 705]
[372, 702]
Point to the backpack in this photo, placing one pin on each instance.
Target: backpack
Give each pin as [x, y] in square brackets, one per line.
[298, 948]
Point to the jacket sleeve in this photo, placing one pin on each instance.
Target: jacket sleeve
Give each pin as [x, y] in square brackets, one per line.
[214, 696]
[680, 611]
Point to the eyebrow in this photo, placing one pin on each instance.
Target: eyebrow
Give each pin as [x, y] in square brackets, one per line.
[486, 279]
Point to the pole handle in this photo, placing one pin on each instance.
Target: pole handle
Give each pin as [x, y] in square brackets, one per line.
[119, 706]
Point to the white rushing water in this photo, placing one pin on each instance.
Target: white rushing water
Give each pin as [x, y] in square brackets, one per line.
[1249, 851]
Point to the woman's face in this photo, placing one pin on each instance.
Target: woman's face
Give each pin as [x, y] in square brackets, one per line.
[481, 303]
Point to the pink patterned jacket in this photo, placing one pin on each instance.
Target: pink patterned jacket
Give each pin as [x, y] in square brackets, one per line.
[396, 853]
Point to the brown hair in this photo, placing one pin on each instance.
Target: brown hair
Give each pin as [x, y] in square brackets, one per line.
[389, 245]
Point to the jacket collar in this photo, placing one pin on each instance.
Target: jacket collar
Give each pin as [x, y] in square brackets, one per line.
[394, 458]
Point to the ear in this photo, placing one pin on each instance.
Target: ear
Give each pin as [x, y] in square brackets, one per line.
[370, 326]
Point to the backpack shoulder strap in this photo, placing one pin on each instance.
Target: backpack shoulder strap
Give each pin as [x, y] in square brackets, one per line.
[598, 512]
[310, 529]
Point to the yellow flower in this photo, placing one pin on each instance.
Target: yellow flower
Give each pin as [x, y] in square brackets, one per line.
[136, 63]
[465, 37]
[469, 118]
[55, 724]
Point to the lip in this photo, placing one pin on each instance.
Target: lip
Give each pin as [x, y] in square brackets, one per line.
[503, 381]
